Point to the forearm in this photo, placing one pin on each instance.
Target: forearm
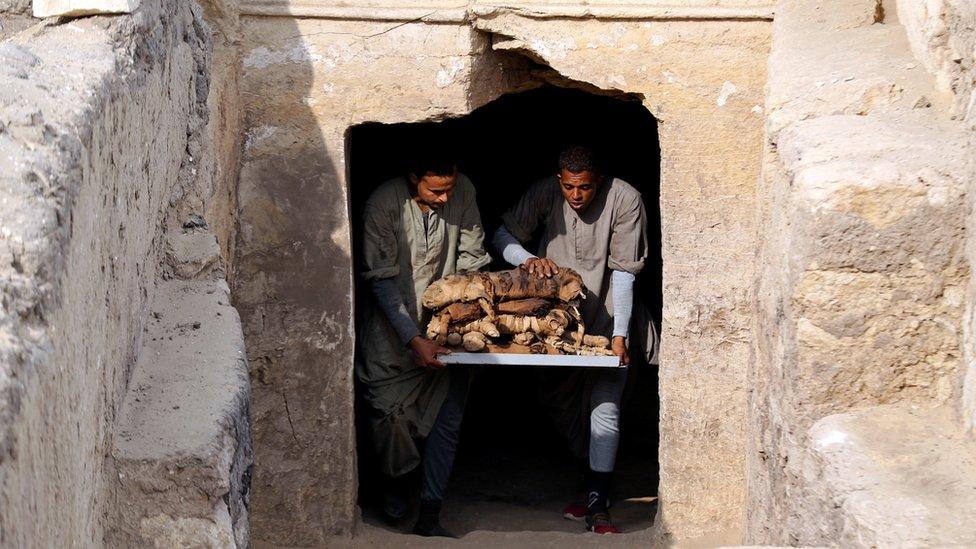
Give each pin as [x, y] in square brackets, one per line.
[391, 303]
[510, 248]
[622, 289]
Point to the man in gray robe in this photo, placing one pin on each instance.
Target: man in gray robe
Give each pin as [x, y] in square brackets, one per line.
[597, 226]
[417, 229]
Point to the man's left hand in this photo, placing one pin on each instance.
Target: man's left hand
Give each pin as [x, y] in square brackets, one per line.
[619, 348]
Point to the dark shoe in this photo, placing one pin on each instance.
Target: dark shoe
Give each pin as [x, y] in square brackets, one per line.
[394, 500]
[599, 523]
[437, 531]
[429, 521]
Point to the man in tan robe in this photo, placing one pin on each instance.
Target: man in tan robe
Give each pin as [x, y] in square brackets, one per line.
[595, 225]
[417, 229]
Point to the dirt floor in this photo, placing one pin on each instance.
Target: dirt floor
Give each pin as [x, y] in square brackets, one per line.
[519, 495]
[514, 498]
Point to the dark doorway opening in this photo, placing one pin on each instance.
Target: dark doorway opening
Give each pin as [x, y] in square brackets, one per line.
[513, 471]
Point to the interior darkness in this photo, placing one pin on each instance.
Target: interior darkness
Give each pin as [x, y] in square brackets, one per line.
[509, 451]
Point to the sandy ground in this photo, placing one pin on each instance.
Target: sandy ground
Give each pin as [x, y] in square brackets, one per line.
[508, 499]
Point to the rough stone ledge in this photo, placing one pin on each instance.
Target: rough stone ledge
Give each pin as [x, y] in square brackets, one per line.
[182, 445]
[871, 193]
[896, 477]
[825, 67]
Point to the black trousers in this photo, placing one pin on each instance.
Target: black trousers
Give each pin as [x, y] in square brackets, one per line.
[442, 441]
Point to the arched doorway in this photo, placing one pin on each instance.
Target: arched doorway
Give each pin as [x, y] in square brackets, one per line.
[513, 472]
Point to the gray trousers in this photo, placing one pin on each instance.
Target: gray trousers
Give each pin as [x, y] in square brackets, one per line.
[607, 389]
[443, 438]
[585, 407]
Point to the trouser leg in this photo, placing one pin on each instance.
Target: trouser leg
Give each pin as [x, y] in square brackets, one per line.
[608, 387]
[442, 440]
[393, 446]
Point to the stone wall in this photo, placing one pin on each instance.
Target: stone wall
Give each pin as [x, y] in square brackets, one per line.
[862, 290]
[943, 37]
[306, 80]
[303, 83]
[100, 140]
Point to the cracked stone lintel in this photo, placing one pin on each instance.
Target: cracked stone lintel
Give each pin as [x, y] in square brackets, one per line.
[462, 13]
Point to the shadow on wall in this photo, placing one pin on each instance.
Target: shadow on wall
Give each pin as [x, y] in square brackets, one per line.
[293, 290]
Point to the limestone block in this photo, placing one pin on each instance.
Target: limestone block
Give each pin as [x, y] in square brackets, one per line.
[167, 531]
[893, 477]
[17, 60]
[864, 283]
[74, 8]
[925, 25]
[877, 210]
[183, 444]
[821, 78]
[14, 7]
[193, 255]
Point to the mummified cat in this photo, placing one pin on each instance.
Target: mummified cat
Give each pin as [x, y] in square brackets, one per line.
[519, 284]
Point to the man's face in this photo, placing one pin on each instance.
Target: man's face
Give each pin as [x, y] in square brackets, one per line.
[434, 191]
[578, 188]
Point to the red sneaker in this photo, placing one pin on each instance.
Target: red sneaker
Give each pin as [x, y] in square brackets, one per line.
[599, 523]
[575, 511]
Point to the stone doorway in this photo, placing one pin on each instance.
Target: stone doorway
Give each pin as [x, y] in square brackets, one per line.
[513, 471]
[306, 81]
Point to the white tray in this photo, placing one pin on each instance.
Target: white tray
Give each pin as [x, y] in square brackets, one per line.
[513, 359]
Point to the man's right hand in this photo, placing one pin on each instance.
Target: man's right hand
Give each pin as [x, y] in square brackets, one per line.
[425, 352]
[541, 267]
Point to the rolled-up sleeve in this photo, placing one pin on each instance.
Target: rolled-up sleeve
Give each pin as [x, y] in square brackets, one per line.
[379, 242]
[523, 218]
[628, 239]
[471, 240]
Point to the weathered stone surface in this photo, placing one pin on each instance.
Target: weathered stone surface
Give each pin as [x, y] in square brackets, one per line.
[942, 34]
[165, 531]
[893, 476]
[76, 8]
[192, 255]
[95, 140]
[90, 152]
[823, 68]
[182, 443]
[305, 81]
[15, 7]
[863, 282]
[294, 275]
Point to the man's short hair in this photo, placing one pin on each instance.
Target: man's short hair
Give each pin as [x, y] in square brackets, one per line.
[432, 153]
[578, 159]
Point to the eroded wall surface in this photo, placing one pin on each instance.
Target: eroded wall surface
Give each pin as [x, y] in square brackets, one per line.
[942, 34]
[94, 141]
[863, 284]
[305, 81]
